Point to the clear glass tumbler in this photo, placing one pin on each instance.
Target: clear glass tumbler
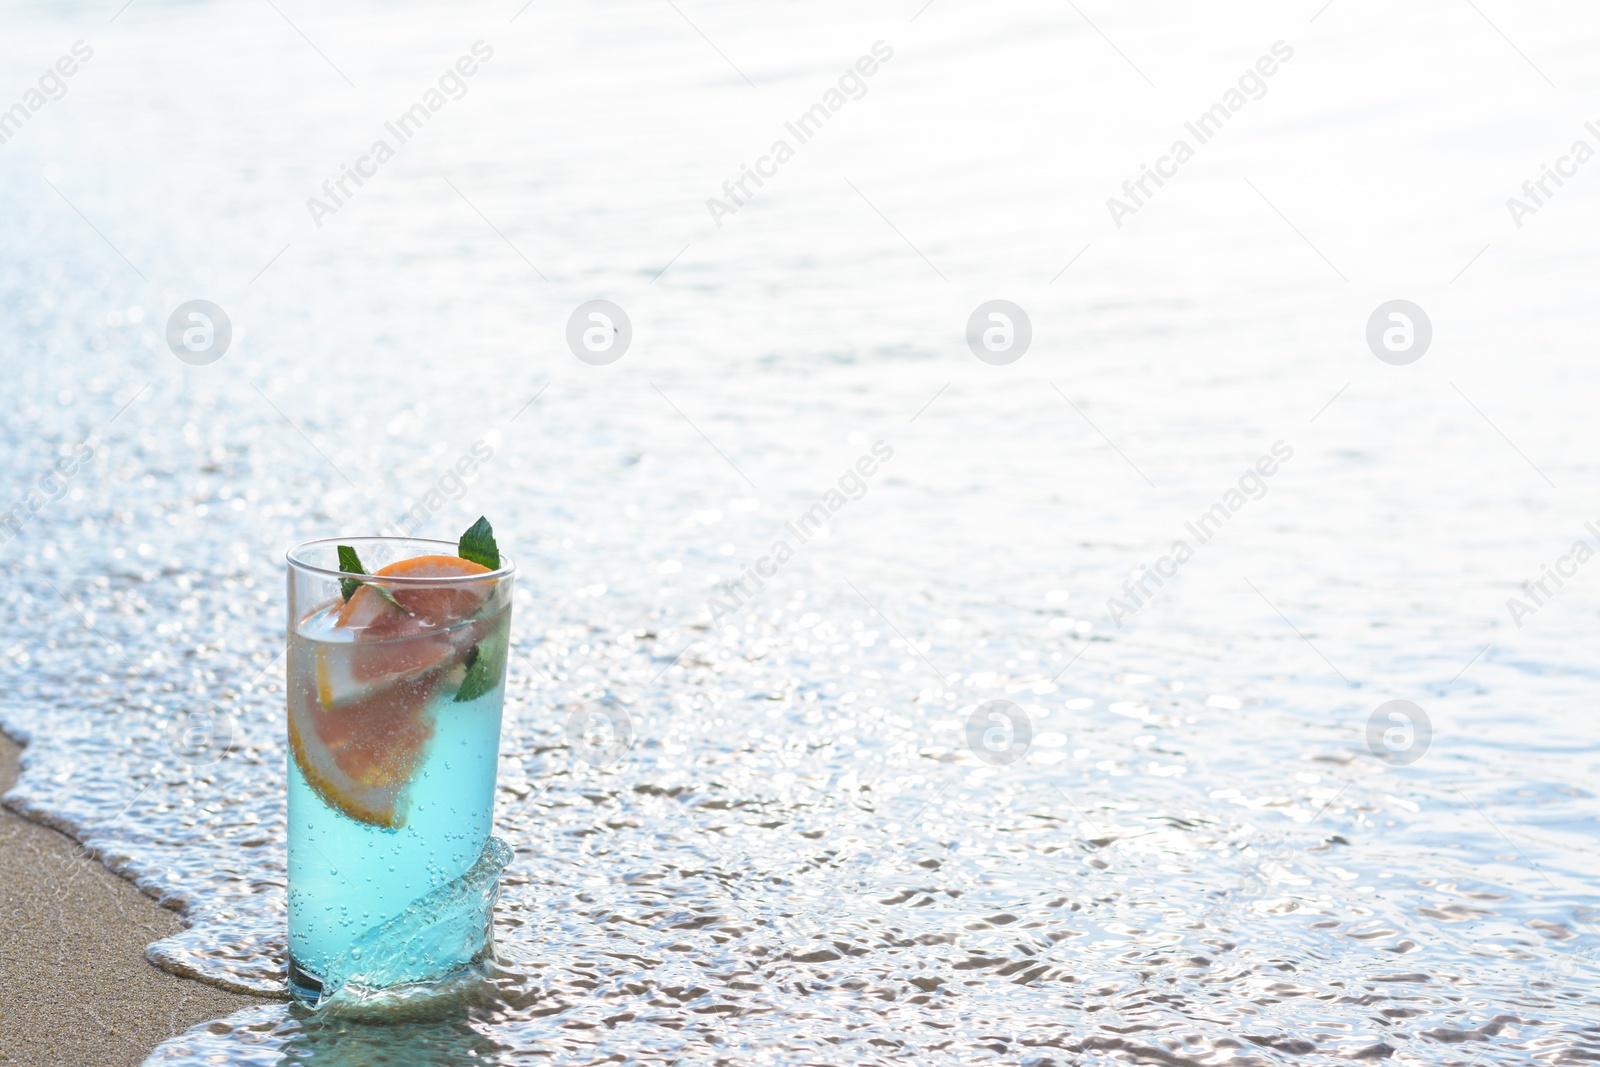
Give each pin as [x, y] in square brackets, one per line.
[396, 685]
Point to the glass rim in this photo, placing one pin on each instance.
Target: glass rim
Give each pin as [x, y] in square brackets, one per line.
[506, 569]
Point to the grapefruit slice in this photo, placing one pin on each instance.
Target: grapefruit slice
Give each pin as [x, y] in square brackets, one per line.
[360, 733]
[360, 758]
[429, 606]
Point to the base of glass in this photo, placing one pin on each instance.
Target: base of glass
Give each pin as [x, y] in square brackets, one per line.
[413, 999]
[303, 985]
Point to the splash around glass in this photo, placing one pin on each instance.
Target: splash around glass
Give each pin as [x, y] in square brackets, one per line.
[396, 683]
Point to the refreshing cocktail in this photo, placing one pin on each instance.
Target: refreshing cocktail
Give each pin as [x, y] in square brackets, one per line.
[397, 659]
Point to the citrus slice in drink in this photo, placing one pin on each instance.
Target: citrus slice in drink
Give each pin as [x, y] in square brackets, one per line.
[359, 736]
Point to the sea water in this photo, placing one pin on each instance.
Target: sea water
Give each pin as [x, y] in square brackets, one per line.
[350, 881]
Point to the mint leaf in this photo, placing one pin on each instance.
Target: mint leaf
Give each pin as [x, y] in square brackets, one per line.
[487, 661]
[477, 545]
[349, 563]
[383, 591]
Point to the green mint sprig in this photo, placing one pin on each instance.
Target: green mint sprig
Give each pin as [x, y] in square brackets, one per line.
[350, 563]
[486, 663]
[477, 545]
[486, 666]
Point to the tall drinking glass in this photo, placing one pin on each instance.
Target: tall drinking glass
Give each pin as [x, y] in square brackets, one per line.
[396, 684]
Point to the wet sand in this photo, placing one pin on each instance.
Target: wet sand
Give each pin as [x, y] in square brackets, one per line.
[75, 987]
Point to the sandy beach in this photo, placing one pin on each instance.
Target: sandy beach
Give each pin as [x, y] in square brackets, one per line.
[78, 989]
